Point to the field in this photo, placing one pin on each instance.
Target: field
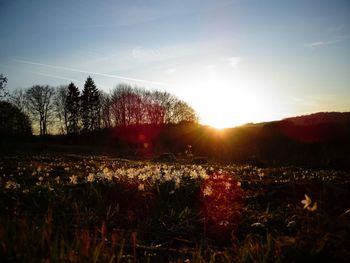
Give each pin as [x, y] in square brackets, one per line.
[97, 209]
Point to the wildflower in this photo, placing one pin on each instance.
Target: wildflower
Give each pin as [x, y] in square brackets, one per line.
[38, 169]
[257, 225]
[313, 208]
[57, 179]
[346, 212]
[224, 223]
[307, 204]
[177, 183]
[141, 187]
[292, 224]
[90, 178]
[207, 191]
[73, 179]
[11, 185]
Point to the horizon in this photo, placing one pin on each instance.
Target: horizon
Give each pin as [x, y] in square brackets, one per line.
[235, 62]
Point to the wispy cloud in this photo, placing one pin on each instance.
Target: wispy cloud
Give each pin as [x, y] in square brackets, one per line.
[93, 73]
[170, 71]
[233, 61]
[322, 43]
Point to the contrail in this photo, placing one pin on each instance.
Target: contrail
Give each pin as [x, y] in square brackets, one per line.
[91, 72]
[55, 76]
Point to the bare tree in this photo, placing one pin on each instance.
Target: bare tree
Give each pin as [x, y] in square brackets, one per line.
[106, 117]
[181, 112]
[40, 105]
[119, 104]
[18, 98]
[163, 103]
[132, 105]
[3, 91]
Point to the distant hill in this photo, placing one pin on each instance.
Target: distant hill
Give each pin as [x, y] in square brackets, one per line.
[321, 118]
[320, 140]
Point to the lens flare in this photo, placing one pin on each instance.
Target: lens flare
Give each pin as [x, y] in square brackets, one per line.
[222, 202]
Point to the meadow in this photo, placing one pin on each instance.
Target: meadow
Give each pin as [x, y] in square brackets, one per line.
[73, 208]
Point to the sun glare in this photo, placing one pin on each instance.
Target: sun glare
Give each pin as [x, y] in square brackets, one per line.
[230, 98]
[235, 108]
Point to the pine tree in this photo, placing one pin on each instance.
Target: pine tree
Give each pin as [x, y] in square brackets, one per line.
[90, 106]
[73, 107]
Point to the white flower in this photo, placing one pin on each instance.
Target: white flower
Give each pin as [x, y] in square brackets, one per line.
[73, 179]
[207, 191]
[258, 225]
[307, 204]
[227, 185]
[10, 185]
[141, 187]
[307, 201]
[90, 178]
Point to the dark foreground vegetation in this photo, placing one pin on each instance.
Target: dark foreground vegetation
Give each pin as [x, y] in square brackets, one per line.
[98, 209]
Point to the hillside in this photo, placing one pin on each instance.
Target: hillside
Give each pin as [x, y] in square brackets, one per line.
[320, 140]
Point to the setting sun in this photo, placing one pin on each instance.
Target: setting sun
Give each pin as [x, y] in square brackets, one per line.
[227, 96]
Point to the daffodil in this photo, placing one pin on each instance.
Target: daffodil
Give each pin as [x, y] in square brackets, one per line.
[73, 179]
[306, 202]
[313, 208]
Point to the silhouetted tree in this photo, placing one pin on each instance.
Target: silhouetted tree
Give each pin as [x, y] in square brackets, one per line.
[18, 99]
[132, 105]
[162, 102]
[3, 91]
[106, 117]
[39, 102]
[60, 102]
[119, 107]
[90, 106]
[182, 112]
[73, 108]
[13, 122]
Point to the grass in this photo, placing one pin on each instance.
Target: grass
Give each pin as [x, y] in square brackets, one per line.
[60, 209]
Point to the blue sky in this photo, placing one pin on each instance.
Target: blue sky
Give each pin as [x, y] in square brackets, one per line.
[234, 61]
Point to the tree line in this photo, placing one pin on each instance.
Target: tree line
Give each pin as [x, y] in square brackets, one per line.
[69, 111]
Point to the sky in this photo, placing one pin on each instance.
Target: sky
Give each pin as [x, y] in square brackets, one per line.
[233, 61]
